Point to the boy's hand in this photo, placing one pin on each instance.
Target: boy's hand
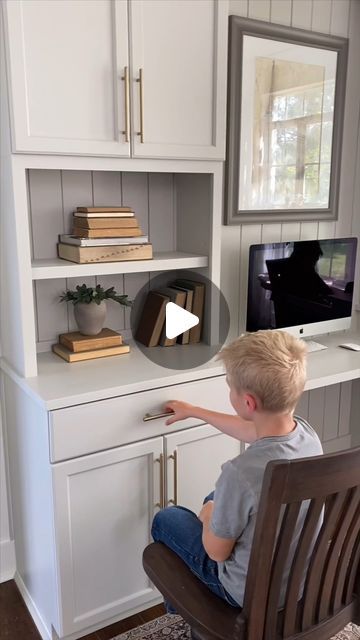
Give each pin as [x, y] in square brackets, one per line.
[206, 511]
[179, 411]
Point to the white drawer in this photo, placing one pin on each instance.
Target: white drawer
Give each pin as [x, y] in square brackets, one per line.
[96, 426]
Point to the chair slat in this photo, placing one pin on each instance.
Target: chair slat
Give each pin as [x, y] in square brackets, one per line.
[343, 566]
[353, 572]
[315, 572]
[282, 548]
[350, 506]
[297, 570]
[264, 541]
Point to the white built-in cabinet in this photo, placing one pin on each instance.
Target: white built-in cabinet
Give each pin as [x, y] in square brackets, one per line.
[144, 78]
[104, 506]
[136, 89]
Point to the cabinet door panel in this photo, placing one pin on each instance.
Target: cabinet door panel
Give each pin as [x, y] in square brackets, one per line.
[104, 505]
[181, 48]
[68, 96]
[199, 453]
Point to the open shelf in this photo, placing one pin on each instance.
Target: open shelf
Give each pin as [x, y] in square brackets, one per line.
[47, 269]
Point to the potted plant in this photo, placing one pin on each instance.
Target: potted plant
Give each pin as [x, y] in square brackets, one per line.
[90, 306]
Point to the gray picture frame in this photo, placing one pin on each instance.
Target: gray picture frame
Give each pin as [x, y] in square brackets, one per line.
[238, 28]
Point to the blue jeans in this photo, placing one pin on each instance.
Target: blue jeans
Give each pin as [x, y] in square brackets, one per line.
[181, 530]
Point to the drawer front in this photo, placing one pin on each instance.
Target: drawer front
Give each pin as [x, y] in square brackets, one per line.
[96, 426]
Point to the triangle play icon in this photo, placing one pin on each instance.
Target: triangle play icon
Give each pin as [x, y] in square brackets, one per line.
[177, 320]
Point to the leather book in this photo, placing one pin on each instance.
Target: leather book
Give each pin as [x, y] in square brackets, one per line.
[127, 210]
[152, 319]
[184, 338]
[71, 356]
[77, 342]
[177, 297]
[198, 289]
[105, 223]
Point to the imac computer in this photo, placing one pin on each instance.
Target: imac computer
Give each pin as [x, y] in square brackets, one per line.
[304, 287]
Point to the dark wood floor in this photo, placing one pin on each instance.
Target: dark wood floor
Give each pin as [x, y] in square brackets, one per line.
[16, 622]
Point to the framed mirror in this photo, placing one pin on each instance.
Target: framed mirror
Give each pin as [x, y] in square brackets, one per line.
[286, 99]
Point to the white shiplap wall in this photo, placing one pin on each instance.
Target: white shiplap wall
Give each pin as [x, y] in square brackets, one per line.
[54, 195]
[328, 409]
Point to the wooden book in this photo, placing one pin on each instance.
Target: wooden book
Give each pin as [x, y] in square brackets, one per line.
[185, 337]
[104, 209]
[105, 214]
[152, 319]
[105, 223]
[198, 289]
[177, 297]
[106, 233]
[71, 356]
[77, 342]
[115, 253]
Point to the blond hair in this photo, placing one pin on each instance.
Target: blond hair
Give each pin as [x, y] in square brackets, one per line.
[269, 364]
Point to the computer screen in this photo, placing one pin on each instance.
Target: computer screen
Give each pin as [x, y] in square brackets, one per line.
[305, 287]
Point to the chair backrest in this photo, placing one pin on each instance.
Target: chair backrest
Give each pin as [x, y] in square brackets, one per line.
[327, 555]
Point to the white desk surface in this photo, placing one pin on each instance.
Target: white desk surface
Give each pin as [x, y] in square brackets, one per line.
[60, 384]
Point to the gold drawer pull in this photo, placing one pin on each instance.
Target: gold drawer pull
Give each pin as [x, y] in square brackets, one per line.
[140, 80]
[160, 459]
[175, 458]
[148, 416]
[125, 77]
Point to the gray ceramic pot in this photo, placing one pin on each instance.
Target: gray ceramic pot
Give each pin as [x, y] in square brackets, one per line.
[90, 317]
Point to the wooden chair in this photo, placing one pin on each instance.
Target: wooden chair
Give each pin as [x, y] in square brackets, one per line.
[331, 595]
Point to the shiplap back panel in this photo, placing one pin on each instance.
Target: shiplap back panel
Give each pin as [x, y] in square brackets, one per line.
[327, 409]
[328, 412]
[155, 197]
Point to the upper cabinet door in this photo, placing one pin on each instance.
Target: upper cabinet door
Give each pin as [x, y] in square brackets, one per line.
[66, 67]
[178, 86]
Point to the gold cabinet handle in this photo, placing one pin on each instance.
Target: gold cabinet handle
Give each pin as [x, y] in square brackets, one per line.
[161, 504]
[125, 77]
[148, 416]
[141, 83]
[175, 458]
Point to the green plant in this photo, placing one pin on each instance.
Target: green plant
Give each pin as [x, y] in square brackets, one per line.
[85, 295]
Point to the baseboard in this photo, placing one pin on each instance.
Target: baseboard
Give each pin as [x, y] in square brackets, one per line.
[7, 560]
[35, 614]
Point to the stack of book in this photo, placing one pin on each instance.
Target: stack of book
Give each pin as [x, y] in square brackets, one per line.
[74, 347]
[188, 294]
[104, 234]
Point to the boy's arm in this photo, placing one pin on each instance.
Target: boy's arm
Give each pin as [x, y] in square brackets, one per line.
[232, 425]
[218, 549]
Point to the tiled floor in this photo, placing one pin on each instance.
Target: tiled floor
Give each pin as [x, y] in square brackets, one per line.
[16, 623]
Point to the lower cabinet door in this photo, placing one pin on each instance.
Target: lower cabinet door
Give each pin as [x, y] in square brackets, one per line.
[104, 504]
[193, 464]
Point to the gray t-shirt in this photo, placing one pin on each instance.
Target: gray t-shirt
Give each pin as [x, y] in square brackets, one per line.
[237, 495]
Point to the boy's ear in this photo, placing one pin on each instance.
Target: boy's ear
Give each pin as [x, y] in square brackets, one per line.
[251, 402]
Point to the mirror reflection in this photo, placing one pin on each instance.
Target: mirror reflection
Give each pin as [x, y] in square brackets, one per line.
[286, 126]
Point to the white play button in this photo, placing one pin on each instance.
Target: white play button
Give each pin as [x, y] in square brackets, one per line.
[178, 320]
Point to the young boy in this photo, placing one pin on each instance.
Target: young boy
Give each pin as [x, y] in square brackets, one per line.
[266, 374]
